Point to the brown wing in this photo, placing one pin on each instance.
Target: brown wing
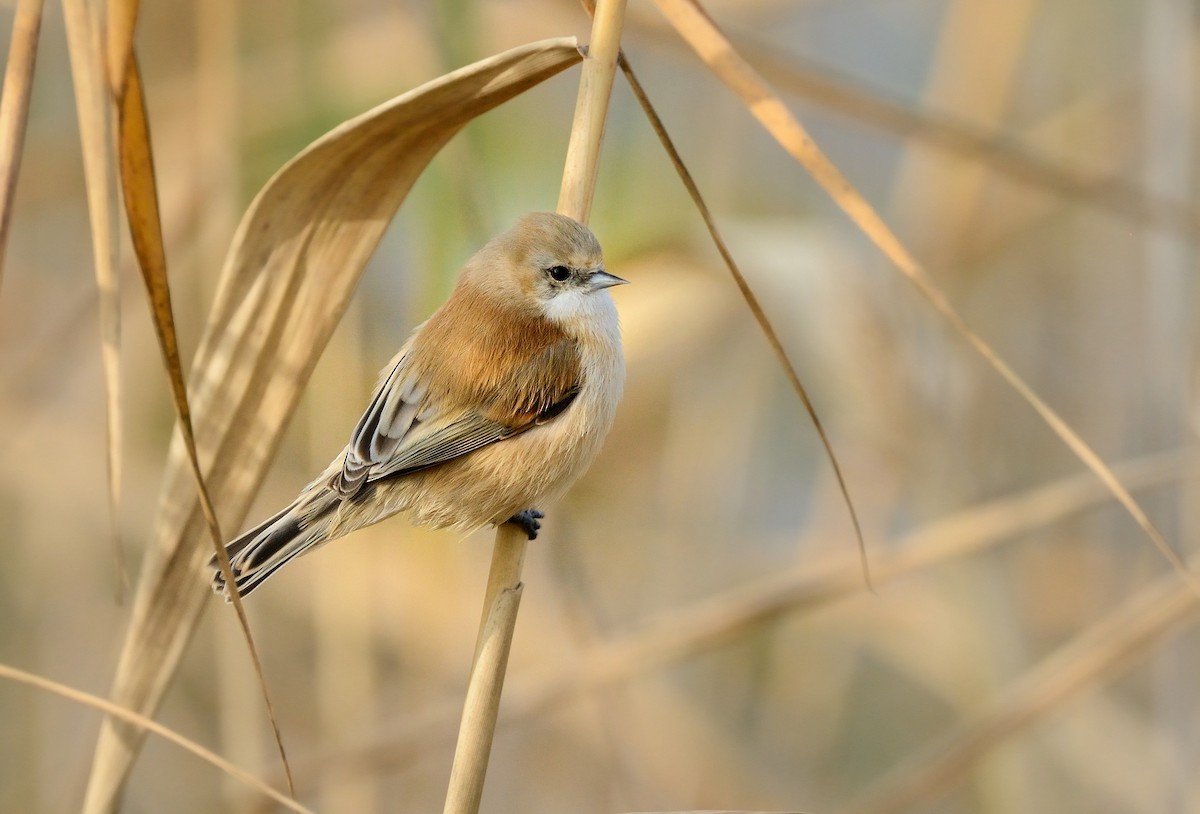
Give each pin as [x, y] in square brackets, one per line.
[404, 428]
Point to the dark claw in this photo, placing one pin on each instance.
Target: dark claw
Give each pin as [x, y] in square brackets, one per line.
[527, 521]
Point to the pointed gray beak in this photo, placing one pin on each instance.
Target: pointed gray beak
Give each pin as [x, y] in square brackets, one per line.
[602, 279]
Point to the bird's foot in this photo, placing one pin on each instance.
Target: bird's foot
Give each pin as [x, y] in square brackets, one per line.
[528, 522]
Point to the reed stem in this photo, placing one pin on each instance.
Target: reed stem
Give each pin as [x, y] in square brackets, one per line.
[503, 594]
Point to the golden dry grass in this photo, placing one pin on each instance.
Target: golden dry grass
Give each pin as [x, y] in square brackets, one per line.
[679, 647]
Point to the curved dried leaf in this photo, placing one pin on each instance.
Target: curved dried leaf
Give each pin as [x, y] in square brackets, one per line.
[702, 34]
[295, 260]
[14, 107]
[140, 188]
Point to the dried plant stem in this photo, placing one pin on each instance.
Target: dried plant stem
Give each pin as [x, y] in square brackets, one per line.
[752, 303]
[508, 557]
[14, 106]
[139, 186]
[591, 108]
[146, 724]
[1023, 162]
[701, 33]
[482, 705]
[503, 596]
[684, 632]
[94, 112]
[1103, 649]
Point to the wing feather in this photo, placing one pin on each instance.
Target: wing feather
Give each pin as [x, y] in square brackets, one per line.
[403, 429]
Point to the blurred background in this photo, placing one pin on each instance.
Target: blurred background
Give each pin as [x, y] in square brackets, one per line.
[694, 631]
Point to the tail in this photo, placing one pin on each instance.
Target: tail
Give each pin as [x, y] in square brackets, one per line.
[269, 546]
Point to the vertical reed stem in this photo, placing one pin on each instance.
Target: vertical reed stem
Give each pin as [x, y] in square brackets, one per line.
[482, 704]
[591, 109]
[503, 595]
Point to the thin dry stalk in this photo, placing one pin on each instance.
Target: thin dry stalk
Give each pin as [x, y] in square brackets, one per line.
[149, 725]
[482, 704]
[93, 110]
[854, 99]
[14, 107]
[704, 625]
[751, 299]
[941, 197]
[508, 558]
[1103, 649]
[702, 34]
[502, 598]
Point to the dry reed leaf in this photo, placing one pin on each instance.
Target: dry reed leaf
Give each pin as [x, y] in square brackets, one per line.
[1100, 651]
[139, 187]
[686, 631]
[14, 107]
[94, 112]
[295, 260]
[702, 34]
[146, 724]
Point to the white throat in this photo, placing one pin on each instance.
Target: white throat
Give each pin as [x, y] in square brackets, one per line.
[578, 311]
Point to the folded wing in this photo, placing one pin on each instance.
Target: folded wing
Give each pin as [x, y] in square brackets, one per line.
[404, 429]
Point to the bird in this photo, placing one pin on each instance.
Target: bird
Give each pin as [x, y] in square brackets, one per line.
[493, 406]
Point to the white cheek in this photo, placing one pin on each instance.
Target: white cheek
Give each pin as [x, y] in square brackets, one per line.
[576, 304]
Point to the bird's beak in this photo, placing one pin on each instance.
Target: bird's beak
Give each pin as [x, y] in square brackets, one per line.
[602, 279]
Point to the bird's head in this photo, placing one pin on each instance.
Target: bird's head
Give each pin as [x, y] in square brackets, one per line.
[546, 262]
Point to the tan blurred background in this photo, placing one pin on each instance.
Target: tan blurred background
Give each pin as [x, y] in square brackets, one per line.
[1039, 157]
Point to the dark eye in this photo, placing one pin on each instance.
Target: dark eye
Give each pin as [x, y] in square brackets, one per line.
[559, 273]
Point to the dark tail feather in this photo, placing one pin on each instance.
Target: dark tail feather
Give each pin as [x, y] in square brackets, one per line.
[270, 545]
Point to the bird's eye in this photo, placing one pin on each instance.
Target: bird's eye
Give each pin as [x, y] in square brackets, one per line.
[559, 273]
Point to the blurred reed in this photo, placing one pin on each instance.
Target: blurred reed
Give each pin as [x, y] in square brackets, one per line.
[680, 646]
